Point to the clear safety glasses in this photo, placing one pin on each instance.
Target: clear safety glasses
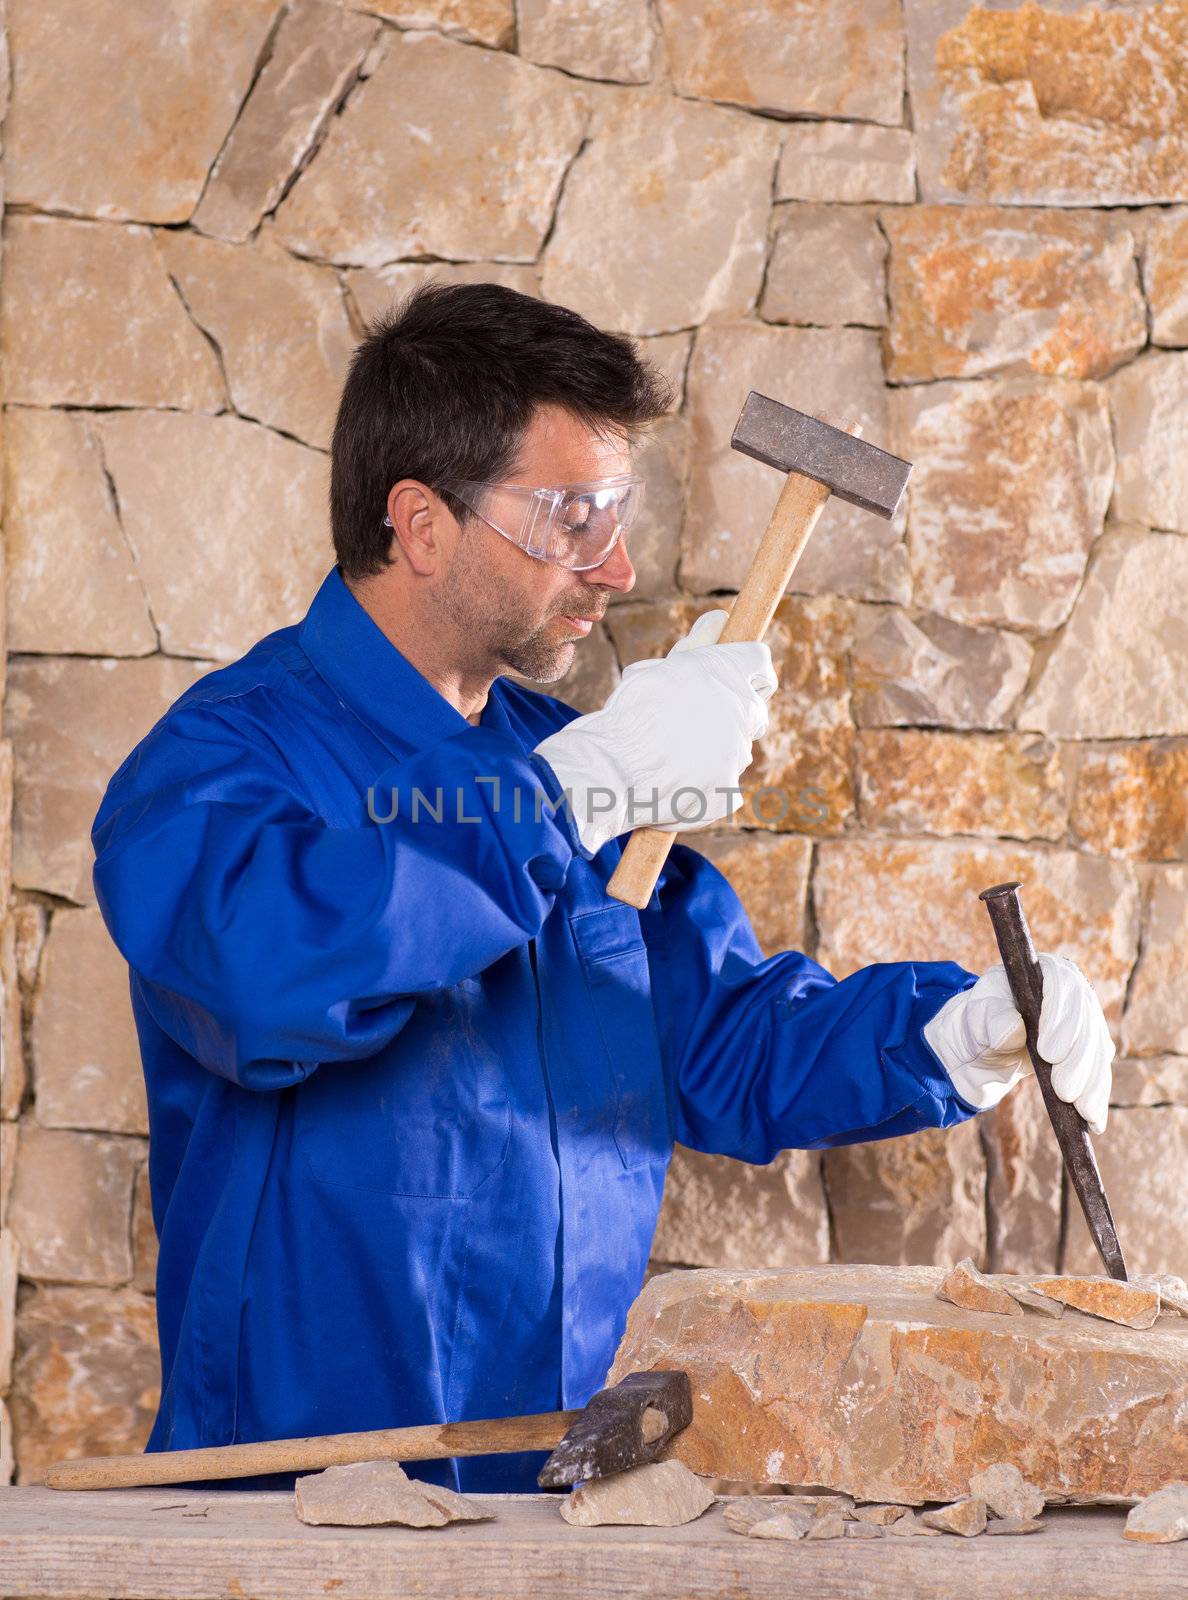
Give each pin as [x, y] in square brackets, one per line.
[574, 525]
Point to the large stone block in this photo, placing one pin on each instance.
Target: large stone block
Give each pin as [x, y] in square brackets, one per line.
[95, 128]
[913, 781]
[477, 21]
[119, 335]
[992, 289]
[1165, 275]
[1132, 799]
[315, 54]
[1143, 1157]
[59, 518]
[827, 268]
[658, 170]
[86, 1061]
[1156, 1017]
[831, 371]
[884, 900]
[612, 40]
[87, 1376]
[912, 1200]
[280, 325]
[926, 669]
[1062, 104]
[830, 58]
[847, 161]
[1149, 400]
[402, 174]
[1024, 1178]
[229, 521]
[1011, 483]
[858, 1378]
[723, 1213]
[1104, 680]
[375, 292]
[1150, 1081]
[73, 721]
[71, 1205]
[770, 876]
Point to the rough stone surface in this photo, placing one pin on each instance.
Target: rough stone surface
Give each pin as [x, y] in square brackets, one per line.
[1127, 1303]
[670, 353]
[1031, 1300]
[1148, 401]
[315, 54]
[72, 722]
[1132, 799]
[743, 1512]
[1006, 1492]
[770, 877]
[654, 542]
[86, 1380]
[13, 1074]
[966, 1517]
[8, 1152]
[1143, 1156]
[1165, 276]
[881, 1516]
[280, 325]
[377, 291]
[94, 126]
[86, 1059]
[144, 1235]
[966, 1286]
[59, 519]
[1010, 490]
[891, 900]
[827, 268]
[1024, 1175]
[834, 58]
[912, 781]
[613, 39]
[9, 1256]
[723, 1213]
[858, 1378]
[480, 21]
[1161, 1518]
[1060, 104]
[785, 1525]
[926, 669]
[832, 371]
[658, 169]
[912, 1199]
[1013, 1525]
[830, 1526]
[381, 188]
[119, 335]
[71, 1205]
[846, 161]
[989, 289]
[660, 1494]
[1103, 679]
[367, 1493]
[188, 489]
[1150, 1081]
[911, 1525]
[1157, 1015]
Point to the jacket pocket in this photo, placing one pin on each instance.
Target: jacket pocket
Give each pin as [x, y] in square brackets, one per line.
[429, 1117]
[614, 961]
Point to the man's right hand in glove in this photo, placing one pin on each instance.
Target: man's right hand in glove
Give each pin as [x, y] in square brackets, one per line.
[668, 748]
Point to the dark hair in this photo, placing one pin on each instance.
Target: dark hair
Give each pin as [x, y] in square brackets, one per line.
[444, 386]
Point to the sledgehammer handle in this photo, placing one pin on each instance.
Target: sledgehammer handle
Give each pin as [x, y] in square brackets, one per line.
[800, 504]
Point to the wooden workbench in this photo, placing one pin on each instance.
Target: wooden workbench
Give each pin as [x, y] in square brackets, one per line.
[140, 1544]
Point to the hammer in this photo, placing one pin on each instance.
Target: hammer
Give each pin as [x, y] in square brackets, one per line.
[820, 460]
[621, 1427]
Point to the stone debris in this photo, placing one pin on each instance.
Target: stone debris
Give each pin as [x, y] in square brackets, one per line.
[1006, 1492]
[1034, 1302]
[788, 1526]
[911, 1524]
[1128, 1303]
[830, 1526]
[1014, 1525]
[1173, 1292]
[966, 1286]
[370, 1493]
[1161, 1518]
[881, 1515]
[659, 1494]
[966, 1517]
[863, 1530]
[742, 1512]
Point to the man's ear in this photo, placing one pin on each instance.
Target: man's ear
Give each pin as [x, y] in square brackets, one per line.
[418, 525]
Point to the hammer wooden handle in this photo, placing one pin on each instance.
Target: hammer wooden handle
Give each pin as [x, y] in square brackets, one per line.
[800, 504]
[431, 1442]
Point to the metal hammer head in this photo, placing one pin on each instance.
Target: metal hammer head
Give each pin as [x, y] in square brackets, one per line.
[850, 468]
[621, 1427]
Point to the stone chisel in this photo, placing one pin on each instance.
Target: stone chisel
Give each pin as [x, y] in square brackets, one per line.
[1072, 1134]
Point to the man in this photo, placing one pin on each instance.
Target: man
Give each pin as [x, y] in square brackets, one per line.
[414, 1078]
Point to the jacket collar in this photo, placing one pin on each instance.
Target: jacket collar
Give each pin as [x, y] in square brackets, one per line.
[375, 681]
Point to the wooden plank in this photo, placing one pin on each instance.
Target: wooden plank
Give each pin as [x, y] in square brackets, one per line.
[237, 1545]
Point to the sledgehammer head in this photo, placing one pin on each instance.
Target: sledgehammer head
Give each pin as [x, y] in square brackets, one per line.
[850, 468]
[621, 1427]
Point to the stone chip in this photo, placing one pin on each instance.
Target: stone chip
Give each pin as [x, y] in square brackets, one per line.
[658, 1494]
[786, 1526]
[1132, 1305]
[966, 1517]
[1009, 1525]
[371, 1493]
[1162, 1518]
[1006, 1492]
[966, 1286]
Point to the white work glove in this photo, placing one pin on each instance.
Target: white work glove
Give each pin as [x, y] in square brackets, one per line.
[677, 730]
[980, 1038]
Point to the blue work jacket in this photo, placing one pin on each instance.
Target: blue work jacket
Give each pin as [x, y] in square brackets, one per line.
[413, 1084]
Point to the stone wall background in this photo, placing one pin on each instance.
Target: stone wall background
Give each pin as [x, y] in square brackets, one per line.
[964, 226]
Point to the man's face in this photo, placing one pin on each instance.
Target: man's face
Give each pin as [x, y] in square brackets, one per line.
[519, 613]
